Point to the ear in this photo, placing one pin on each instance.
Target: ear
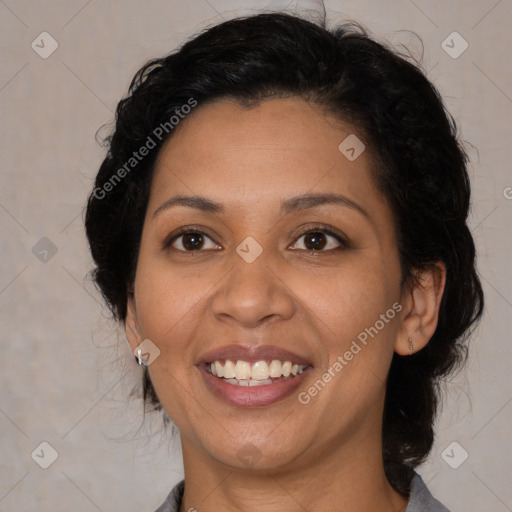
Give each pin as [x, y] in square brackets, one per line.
[131, 324]
[421, 300]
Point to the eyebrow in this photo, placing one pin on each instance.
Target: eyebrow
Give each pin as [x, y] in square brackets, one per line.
[290, 205]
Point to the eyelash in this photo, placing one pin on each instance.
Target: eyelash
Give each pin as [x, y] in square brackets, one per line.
[312, 229]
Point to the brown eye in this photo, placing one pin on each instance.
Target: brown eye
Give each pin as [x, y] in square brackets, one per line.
[318, 239]
[190, 241]
[315, 241]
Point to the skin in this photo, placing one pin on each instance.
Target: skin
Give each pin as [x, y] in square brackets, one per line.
[325, 455]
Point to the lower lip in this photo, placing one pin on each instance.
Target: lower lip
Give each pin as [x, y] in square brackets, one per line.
[251, 396]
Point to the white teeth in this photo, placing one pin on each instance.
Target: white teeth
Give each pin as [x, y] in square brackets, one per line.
[259, 373]
[250, 382]
[259, 382]
[219, 370]
[242, 370]
[275, 368]
[260, 370]
[229, 369]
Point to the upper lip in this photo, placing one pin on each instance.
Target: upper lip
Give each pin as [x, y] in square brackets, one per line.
[251, 354]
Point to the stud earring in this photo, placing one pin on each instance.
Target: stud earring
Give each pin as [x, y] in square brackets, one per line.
[141, 360]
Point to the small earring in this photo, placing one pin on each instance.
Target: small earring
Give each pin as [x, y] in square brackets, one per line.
[411, 346]
[140, 359]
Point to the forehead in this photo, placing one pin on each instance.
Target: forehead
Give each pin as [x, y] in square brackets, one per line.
[280, 148]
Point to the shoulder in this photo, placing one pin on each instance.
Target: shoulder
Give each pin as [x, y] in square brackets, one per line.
[173, 501]
[420, 498]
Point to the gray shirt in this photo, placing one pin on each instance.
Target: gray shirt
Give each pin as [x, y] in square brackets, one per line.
[420, 499]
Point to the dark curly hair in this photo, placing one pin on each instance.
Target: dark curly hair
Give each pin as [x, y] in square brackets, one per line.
[418, 163]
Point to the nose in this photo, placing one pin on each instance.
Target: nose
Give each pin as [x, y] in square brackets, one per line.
[253, 293]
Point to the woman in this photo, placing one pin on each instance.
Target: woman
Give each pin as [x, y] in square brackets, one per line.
[280, 224]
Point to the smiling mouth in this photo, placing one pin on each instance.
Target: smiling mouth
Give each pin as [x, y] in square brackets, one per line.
[259, 373]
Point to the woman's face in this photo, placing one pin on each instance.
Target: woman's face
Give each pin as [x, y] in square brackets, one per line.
[252, 279]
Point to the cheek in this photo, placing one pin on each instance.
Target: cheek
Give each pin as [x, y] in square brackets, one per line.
[356, 312]
[167, 304]
[169, 313]
[349, 298]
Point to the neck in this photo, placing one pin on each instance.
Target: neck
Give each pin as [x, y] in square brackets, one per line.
[340, 475]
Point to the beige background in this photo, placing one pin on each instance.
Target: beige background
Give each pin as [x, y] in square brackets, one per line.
[62, 359]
